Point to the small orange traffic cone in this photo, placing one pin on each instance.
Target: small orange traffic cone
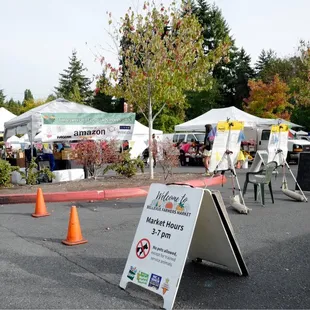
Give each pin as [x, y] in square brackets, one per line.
[74, 236]
[40, 209]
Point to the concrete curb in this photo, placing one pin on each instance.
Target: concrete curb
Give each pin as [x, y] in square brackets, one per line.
[108, 194]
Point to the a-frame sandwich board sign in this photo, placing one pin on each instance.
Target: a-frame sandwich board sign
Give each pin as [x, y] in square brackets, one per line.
[213, 238]
[177, 222]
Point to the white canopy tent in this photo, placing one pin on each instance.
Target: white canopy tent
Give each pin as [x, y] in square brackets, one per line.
[5, 116]
[17, 143]
[30, 122]
[140, 139]
[140, 129]
[276, 121]
[215, 115]
[299, 133]
[232, 113]
[14, 140]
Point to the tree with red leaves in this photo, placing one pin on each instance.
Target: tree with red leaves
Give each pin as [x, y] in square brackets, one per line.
[269, 100]
[94, 155]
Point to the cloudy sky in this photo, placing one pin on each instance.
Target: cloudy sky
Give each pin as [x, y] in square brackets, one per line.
[37, 36]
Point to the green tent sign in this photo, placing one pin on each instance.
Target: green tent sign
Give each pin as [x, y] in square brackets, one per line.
[88, 118]
[85, 126]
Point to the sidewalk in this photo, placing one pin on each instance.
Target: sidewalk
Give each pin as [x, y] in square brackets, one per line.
[108, 194]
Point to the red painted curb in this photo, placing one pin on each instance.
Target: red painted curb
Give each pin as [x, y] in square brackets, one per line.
[125, 193]
[108, 194]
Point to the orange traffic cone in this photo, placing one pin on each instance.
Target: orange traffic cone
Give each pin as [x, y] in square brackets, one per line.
[40, 205]
[74, 236]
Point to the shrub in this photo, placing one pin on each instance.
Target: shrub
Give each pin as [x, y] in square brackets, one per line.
[33, 175]
[94, 155]
[5, 173]
[126, 166]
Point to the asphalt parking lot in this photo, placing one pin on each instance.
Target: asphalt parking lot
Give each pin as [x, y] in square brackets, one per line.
[39, 272]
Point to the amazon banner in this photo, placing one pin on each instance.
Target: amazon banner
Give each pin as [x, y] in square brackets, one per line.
[86, 126]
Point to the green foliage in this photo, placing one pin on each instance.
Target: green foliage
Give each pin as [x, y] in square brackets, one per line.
[164, 57]
[231, 74]
[2, 98]
[201, 102]
[264, 60]
[285, 68]
[295, 72]
[28, 95]
[301, 116]
[166, 120]
[73, 84]
[30, 104]
[75, 95]
[17, 108]
[33, 175]
[103, 101]
[215, 28]
[50, 97]
[12, 106]
[237, 87]
[5, 173]
[126, 166]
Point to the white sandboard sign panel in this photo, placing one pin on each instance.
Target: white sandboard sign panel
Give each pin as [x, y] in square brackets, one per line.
[163, 238]
[227, 138]
[278, 141]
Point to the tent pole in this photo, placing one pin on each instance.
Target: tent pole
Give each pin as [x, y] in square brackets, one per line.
[30, 138]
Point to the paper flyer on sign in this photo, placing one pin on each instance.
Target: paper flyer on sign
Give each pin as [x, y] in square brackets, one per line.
[278, 141]
[227, 138]
[81, 126]
[162, 240]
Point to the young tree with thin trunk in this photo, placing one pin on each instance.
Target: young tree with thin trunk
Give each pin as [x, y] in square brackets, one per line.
[162, 58]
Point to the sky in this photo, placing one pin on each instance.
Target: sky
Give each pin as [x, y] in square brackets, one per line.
[38, 36]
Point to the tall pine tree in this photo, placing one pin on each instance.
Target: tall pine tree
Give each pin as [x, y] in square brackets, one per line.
[233, 78]
[264, 60]
[28, 95]
[73, 84]
[231, 75]
[2, 98]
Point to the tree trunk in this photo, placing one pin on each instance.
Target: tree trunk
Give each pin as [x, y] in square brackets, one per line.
[150, 121]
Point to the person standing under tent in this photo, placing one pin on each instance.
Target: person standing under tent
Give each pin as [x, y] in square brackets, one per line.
[154, 149]
[207, 147]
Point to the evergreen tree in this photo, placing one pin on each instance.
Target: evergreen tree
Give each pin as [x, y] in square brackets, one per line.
[215, 27]
[201, 102]
[264, 59]
[234, 84]
[231, 75]
[104, 102]
[50, 97]
[73, 83]
[2, 98]
[28, 96]
[13, 106]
